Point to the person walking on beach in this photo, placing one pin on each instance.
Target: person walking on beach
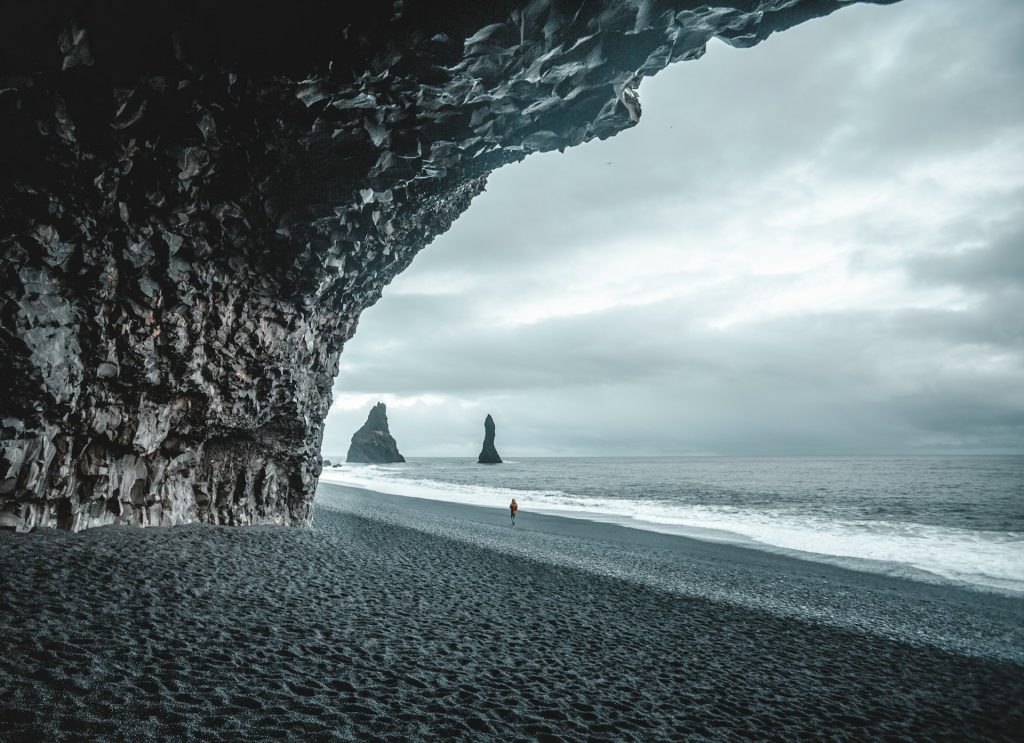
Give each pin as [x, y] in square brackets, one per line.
[514, 508]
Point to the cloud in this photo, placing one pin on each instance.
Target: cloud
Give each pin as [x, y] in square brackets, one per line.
[992, 266]
[812, 246]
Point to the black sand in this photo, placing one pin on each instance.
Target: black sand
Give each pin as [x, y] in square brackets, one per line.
[378, 624]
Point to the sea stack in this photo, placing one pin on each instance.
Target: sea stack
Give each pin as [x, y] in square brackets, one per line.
[373, 443]
[489, 455]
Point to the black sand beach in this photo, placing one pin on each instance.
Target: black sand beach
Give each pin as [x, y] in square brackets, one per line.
[403, 619]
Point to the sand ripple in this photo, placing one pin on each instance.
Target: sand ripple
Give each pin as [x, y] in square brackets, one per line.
[364, 629]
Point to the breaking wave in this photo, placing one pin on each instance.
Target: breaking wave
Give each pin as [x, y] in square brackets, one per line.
[989, 559]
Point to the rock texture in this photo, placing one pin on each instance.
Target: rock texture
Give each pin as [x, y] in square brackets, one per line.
[197, 201]
[488, 454]
[373, 443]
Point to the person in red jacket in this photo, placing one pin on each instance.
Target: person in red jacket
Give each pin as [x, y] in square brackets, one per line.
[514, 508]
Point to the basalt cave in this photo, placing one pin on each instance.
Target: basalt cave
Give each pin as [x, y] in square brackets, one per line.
[197, 201]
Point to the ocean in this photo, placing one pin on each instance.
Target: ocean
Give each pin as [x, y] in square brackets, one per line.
[957, 519]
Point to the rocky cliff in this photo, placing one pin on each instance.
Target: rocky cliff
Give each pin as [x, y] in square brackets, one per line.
[373, 442]
[488, 454]
[197, 200]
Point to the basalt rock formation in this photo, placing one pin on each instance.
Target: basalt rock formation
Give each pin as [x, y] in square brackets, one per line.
[197, 201]
[488, 454]
[373, 442]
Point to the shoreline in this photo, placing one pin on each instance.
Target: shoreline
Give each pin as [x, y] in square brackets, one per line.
[941, 574]
[969, 621]
[405, 620]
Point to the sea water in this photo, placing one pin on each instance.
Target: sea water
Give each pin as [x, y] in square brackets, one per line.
[957, 518]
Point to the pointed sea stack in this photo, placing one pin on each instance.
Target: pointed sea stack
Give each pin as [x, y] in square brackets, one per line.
[373, 443]
[489, 455]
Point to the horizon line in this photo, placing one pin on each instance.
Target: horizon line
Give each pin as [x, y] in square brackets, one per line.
[981, 453]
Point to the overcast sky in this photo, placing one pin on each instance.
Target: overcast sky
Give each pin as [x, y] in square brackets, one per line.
[815, 246]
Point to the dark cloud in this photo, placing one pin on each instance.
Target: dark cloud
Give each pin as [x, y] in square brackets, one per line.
[813, 246]
[997, 265]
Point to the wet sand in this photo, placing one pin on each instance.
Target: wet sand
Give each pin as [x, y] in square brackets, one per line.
[401, 619]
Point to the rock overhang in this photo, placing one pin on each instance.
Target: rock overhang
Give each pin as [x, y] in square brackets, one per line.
[200, 199]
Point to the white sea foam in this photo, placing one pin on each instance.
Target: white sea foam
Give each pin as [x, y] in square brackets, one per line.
[980, 558]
